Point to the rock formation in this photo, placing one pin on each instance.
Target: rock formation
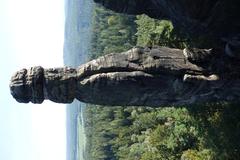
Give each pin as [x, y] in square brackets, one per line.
[151, 77]
[138, 77]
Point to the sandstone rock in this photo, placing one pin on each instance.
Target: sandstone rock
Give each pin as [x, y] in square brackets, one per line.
[138, 77]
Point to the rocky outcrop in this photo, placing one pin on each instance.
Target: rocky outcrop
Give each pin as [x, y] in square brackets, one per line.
[214, 19]
[138, 77]
[36, 84]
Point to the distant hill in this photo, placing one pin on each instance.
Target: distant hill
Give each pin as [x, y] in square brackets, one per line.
[77, 31]
[78, 15]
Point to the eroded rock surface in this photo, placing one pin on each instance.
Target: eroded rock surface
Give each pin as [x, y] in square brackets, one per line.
[138, 77]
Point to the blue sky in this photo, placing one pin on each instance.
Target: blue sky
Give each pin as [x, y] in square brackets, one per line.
[31, 33]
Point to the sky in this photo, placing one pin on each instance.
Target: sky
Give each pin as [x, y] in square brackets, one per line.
[31, 34]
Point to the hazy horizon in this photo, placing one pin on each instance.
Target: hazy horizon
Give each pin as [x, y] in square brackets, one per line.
[76, 49]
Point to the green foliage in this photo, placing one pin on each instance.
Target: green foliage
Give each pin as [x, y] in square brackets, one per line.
[151, 32]
[112, 32]
[205, 154]
[220, 127]
[198, 133]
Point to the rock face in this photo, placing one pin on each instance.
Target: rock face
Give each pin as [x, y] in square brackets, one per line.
[36, 84]
[139, 77]
[214, 19]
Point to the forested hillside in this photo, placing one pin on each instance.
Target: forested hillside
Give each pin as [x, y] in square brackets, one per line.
[112, 32]
[206, 132]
